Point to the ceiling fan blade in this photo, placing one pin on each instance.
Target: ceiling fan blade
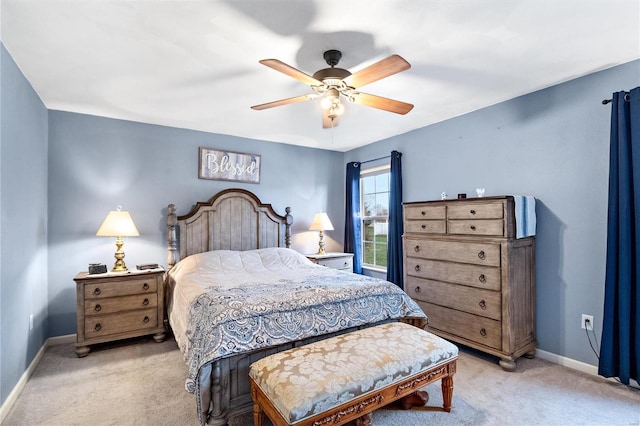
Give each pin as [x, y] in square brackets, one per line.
[328, 122]
[381, 69]
[285, 101]
[290, 71]
[382, 103]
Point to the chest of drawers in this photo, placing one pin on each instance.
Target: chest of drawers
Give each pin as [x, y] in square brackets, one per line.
[340, 261]
[472, 277]
[118, 306]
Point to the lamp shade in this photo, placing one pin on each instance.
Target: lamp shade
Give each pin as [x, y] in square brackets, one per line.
[118, 223]
[321, 222]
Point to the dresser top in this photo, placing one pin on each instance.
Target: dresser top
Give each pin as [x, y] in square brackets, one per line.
[473, 199]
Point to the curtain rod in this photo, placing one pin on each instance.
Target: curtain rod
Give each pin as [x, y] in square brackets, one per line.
[375, 159]
[606, 101]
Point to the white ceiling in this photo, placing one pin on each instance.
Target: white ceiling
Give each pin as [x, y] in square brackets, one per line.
[194, 64]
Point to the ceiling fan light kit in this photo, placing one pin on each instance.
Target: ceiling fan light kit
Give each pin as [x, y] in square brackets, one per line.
[331, 83]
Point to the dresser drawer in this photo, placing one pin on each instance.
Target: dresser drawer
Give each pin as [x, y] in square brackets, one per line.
[102, 325]
[478, 329]
[118, 304]
[465, 210]
[476, 301]
[484, 227]
[111, 289]
[486, 277]
[424, 212]
[455, 251]
[426, 226]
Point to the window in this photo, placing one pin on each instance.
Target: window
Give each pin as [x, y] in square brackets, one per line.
[374, 210]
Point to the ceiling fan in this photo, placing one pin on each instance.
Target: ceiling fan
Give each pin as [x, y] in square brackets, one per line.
[331, 83]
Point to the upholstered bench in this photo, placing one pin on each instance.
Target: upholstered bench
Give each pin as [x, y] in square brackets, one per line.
[334, 381]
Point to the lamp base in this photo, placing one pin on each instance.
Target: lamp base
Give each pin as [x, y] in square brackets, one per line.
[321, 244]
[119, 266]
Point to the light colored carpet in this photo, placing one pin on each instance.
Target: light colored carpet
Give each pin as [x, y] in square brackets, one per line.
[140, 382]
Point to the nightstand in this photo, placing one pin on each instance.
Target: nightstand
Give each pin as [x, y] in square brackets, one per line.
[114, 306]
[341, 261]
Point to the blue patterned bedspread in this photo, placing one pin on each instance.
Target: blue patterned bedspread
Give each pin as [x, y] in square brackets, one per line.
[226, 302]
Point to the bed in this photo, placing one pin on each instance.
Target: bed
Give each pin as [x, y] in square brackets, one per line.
[237, 292]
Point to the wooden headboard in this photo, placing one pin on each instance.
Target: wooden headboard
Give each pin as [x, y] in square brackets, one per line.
[233, 219]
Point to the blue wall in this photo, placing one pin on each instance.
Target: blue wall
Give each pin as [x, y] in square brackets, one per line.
[98, 163]
[23, 245]
[552, 144]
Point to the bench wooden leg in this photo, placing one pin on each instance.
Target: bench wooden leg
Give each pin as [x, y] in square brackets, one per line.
[258, 414]
[447, 393]
[258, 417]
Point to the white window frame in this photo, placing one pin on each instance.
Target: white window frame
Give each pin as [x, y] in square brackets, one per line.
[368, 172]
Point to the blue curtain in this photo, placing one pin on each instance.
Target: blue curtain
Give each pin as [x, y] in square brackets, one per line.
[352, 231]
[620, 347]
[394, 232]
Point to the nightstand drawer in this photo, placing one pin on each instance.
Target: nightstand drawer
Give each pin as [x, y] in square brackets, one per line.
[111, 289]
[118, 304]
[340, 261]
[102, 325]
[343, 263]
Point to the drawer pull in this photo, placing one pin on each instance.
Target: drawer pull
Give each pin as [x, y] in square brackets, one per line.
[98, 327]
[482, 278]
[473, 227]
[416, 249]
[424, 226]
[145, 302]
[97, 308]
[481, 254]
[423, 213]
[145, 286]
[145, 320]
[483, 304]
[483, 332]
[417, 268]
[97, 291]
[472, 211]
[417, 289]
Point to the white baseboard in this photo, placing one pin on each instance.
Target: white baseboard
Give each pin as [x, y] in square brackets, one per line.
[567, 362]
[17, 389]
[577, 365]
[61, 340]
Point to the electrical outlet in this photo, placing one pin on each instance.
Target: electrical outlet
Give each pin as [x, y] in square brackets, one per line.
[587, 322]
[30, 322]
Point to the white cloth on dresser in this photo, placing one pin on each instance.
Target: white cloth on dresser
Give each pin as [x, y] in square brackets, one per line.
[525, 211]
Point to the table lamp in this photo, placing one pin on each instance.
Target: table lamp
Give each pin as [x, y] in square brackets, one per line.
[118, 223]
[321, 223]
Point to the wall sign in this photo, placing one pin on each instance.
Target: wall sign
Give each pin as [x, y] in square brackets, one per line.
[227, 165]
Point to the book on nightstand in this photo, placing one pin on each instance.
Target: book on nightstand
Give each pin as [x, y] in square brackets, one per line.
[146, 266]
